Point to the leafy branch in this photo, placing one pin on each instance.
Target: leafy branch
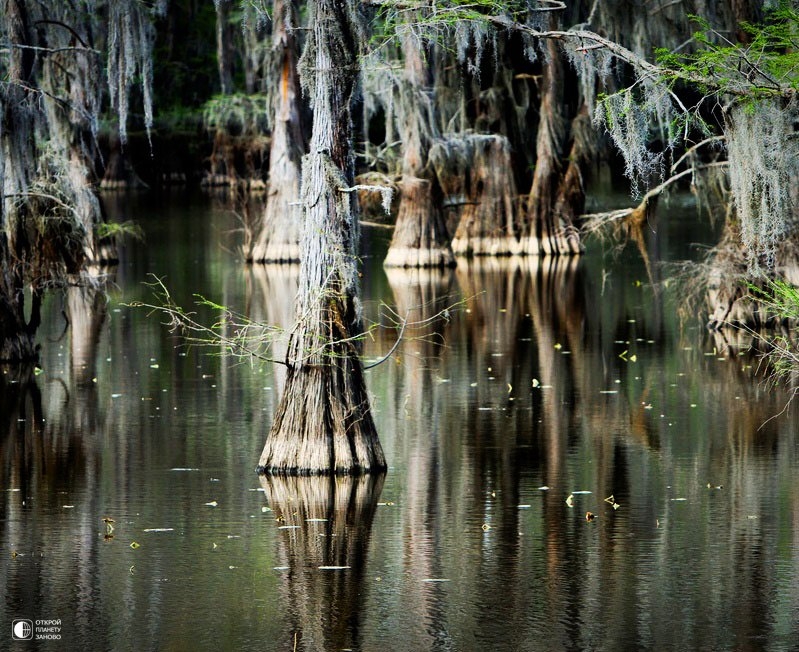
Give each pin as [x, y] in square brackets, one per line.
[241, 337]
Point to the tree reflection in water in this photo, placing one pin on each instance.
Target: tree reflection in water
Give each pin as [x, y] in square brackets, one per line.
[323, 543]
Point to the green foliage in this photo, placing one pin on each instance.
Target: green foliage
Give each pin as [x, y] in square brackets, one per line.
[119, 230]
[780, 299]
[237, 114]
[767, 65]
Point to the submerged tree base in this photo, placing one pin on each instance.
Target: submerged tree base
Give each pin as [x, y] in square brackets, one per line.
[323, 425]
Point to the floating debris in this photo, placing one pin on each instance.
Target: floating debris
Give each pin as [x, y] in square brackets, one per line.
[159, 529]
[543, 488]
[590, 516]
[288, 527]
[212, 503]
[182, 468]
[436, 579]
[486, 527]
[570, 500]
[536, 383]
[523, 506]
[581, 492]
[333, 567]
[135, 545]
[610, 500]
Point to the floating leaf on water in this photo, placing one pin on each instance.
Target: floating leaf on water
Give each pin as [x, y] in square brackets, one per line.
[135, 545]
[486, 527]
[633, 357]
[212, 503]
[570, 500]
[265, 509]
[154, 366]
[536, 383]
[214, 546]
[333, 567]
[510, 388]
[590, 516]
[558, 346]
[543, 488]
[473, 385]
[388, 503]
[115, 395]
[232, 567]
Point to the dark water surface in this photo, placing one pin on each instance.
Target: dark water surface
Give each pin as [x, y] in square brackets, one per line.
[553, 379]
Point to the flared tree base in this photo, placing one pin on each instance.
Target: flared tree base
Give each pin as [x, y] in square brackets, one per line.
[323, 424]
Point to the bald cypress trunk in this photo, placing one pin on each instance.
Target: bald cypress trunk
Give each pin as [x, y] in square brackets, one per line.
[17, 125]
[323, 424]
[279, 235]
[487, 224]
[420, 236]
[551, 233]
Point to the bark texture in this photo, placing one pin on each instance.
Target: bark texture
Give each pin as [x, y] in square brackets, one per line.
[487, 223]
[279, 234]
[323, 424]
[552, 232]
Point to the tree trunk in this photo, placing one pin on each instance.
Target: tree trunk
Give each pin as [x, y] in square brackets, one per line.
[551, 233]
[279, 235]
[420, 237]
[17, 338]
[224, 46]
[323, 424]
[487, 225]
[17, 159]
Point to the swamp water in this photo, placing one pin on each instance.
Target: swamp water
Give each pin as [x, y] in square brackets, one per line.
[556, 389]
